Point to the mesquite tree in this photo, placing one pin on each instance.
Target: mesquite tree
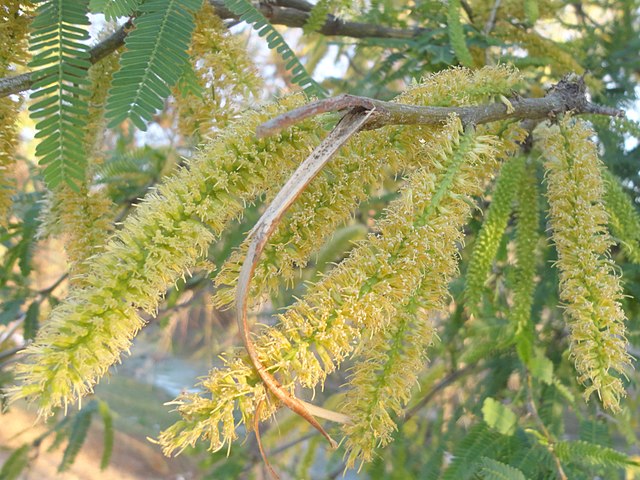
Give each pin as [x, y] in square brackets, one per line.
[447, 259]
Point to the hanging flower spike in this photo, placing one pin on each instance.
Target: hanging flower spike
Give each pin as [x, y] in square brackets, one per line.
[589, 286]
[165, 238]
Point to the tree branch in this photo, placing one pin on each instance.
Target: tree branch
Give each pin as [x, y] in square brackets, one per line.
[291, 13]
[569, 95]
[19, 83]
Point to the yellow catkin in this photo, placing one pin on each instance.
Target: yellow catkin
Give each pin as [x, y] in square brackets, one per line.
[589, 286]
[355, 172]
[168, 235]
[14, 24]
[392, 357]
[364, 293]
[224, 73]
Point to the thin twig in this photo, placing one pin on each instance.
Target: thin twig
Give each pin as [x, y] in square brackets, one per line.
[491, 21]
[533, 411]
[291, 13]
[19, 83]
[568, 95]
[441, 385]
[259, 236]
[46, 291]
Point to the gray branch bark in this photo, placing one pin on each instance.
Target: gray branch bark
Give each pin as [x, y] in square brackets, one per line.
[291, 13]
[569, 95]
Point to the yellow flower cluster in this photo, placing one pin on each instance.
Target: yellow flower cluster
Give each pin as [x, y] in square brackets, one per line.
[391, 360]
[357, 170]
[224, 73]
[14, 24]
[168, 235]
[589, 286]
[416, 240]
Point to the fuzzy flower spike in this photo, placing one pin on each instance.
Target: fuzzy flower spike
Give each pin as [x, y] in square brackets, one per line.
[589, 286]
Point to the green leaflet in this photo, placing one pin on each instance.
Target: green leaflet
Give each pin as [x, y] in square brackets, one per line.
[492, 230]
[107, 420]
[31, 323]
[456, 34]
[494, 470]
[113, 9]
[318, 15]
[531, 11]
[77, 435]
[15, 464]
[528, 219]
[60, 89]
[587, 453]
[624, 219]
[499, 416]
[250, 14]
[480, 441]
[154, 61]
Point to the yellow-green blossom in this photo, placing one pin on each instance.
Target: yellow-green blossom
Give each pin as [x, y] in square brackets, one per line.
[357, 170]
[164, 239]
[416, 239]
[589, 286]
[224, 74]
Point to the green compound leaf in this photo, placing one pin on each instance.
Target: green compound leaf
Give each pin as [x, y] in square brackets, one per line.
[275, 41]
[493, 229]
[624, 219]
[113, 9]
[494, 470]
[587, 453]
[77, 435]
[60, 90]
[154, 61]
[15, 464]
[456, 34]
[107, 420]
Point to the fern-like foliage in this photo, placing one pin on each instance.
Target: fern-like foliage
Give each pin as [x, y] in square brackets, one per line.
[16, 463]
[113, 9]
[479, 442]
[154, 61]
[250, 14]
[492, 230]
[77, 435]
[494, 470]
[107, 438]
[456, 34]
[60, 89]
[317, 16]
[587, 453]
[624, 219]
